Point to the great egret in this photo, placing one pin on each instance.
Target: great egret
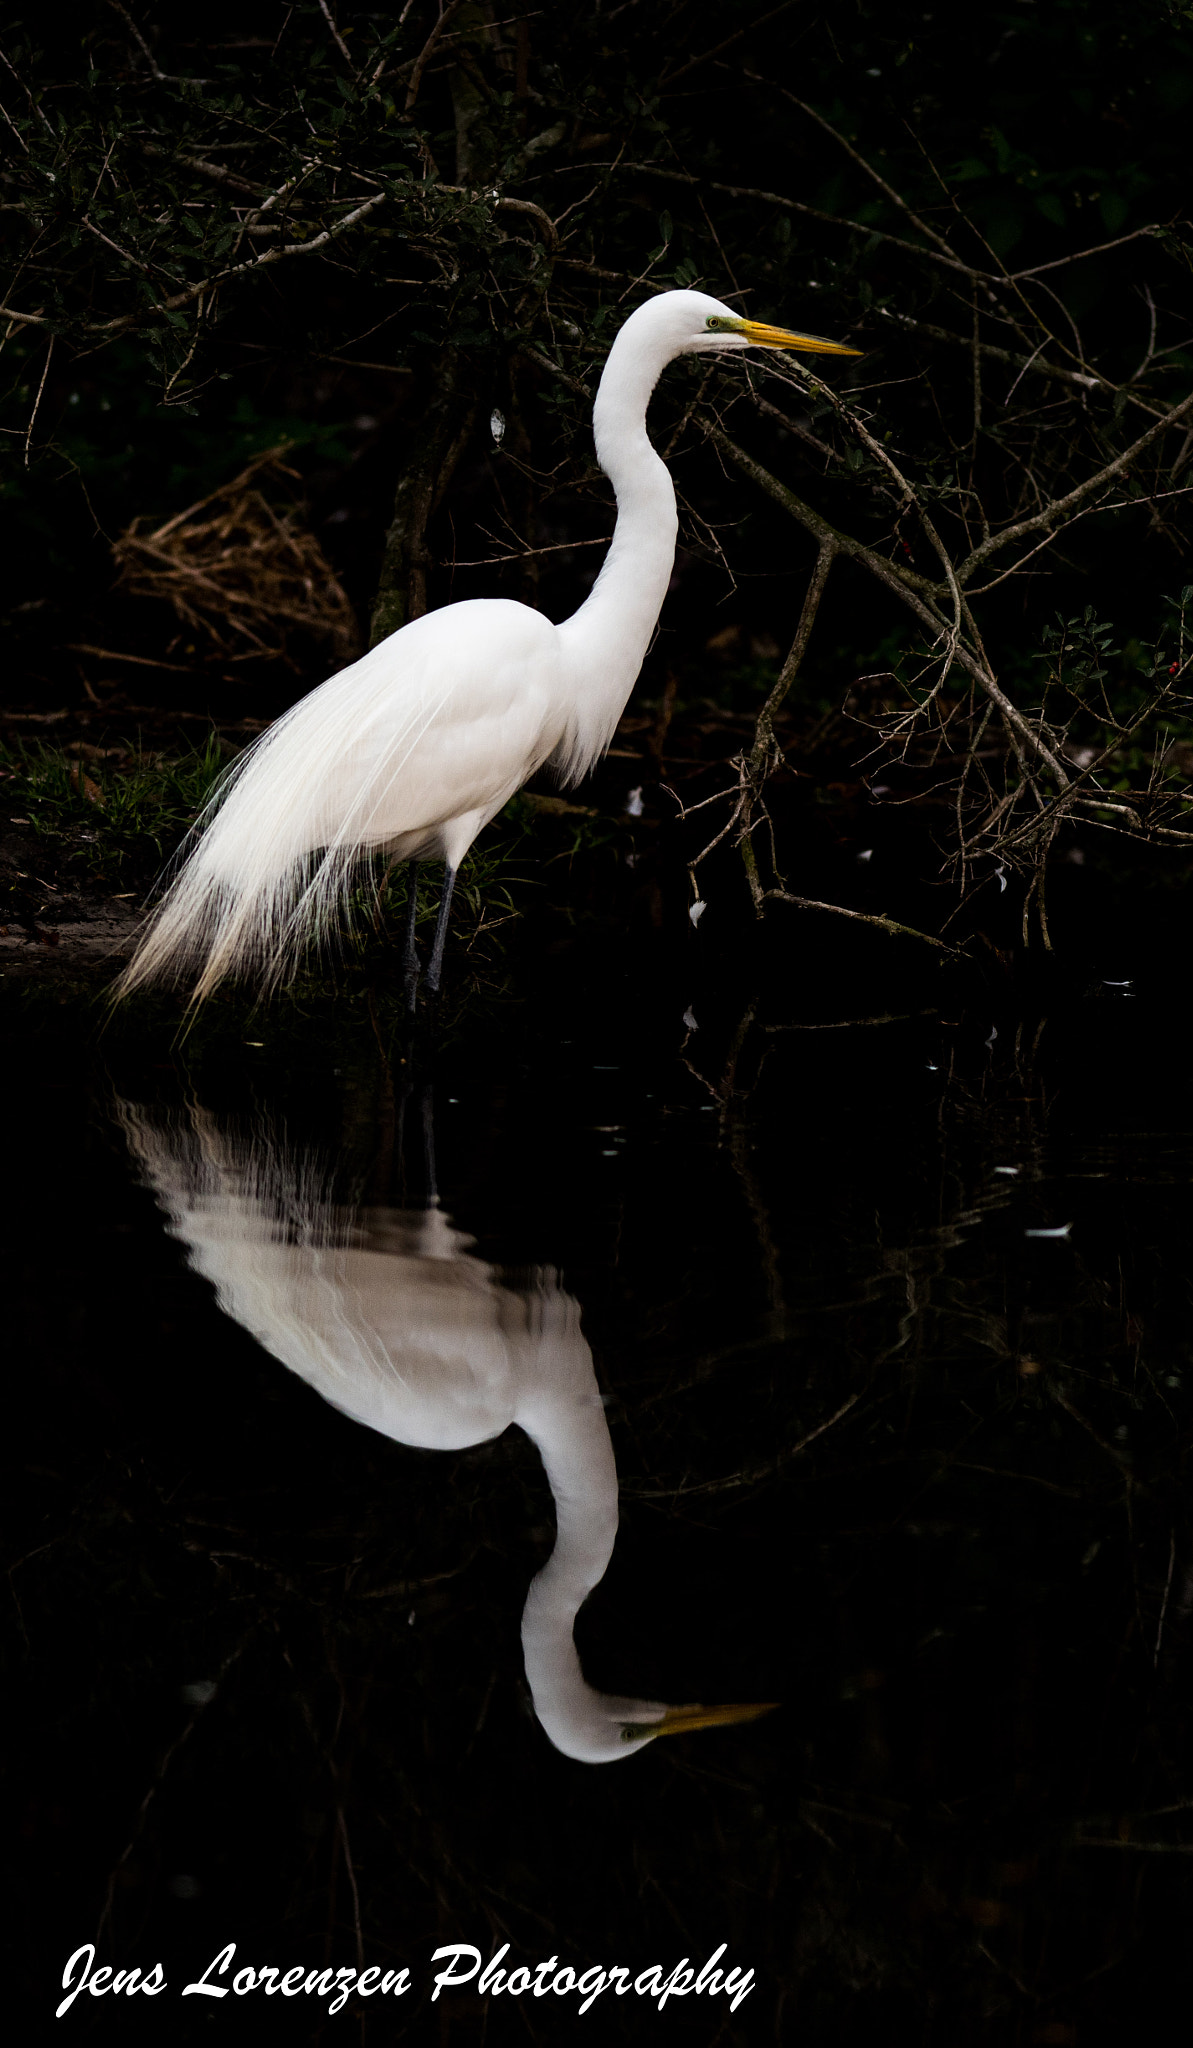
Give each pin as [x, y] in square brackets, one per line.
[414, 748]
[389, 1316]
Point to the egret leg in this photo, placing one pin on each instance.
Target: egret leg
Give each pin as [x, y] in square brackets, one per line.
[434, 970]
[400, 1141]
[428, 1107]
[410, 956]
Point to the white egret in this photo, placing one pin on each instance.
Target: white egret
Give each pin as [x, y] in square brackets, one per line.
[415, 747]
[390, 1317]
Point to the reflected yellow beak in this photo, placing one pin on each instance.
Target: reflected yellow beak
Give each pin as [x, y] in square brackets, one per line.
[762, 336]
[683, 1720]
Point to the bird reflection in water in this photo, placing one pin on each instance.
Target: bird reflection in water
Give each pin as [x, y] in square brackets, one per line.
[392, 1318]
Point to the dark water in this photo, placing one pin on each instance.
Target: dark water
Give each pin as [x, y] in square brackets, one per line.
[886, 1458]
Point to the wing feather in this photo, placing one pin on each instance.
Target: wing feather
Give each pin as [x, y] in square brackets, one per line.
[442, 720]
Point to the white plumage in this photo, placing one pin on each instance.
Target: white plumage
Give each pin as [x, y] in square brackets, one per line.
[414, 748]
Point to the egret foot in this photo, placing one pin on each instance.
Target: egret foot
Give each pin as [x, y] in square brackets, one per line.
[436, 967]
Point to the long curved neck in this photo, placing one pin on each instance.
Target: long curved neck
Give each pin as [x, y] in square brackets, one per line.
[606, 640]
[572, 1438]
[628, 594]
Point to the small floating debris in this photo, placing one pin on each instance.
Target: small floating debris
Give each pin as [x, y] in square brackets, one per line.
[993, 1035]
[633, 803]
[867, 855]
[696, 910]
[1010, 1171]
[689, 1019]
[1058, 1230]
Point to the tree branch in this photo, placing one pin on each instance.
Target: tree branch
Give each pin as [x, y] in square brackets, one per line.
[914, 591]
[1061, 506]
[890, 925]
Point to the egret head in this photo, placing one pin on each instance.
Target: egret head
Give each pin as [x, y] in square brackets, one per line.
[686, 1720]
[692, 323]
[598, 1728]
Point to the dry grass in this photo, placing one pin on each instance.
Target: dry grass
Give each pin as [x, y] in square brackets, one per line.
[244, 573]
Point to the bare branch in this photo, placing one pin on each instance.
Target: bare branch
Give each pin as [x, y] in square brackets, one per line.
[1060, 507]
[26, 319]
[718, 50]
[889, 925]
[896, 198]
[37, 401]
[834, 220]
[1022, 363]
[914, 591]
[428, 50]
[337, 38]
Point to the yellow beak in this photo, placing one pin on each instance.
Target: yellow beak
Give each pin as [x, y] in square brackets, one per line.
[684, 1720]
[762, 336]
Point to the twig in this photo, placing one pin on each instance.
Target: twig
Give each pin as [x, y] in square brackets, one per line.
[37, 401]
[346, 54]
[174, 304]
[747, 1478]
[1060, 506]
[915, 591]
[1164, 1603]
[428, 49]
[889, 925]
[718, 49]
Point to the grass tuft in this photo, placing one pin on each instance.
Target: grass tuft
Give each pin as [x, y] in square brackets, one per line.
[106, 810]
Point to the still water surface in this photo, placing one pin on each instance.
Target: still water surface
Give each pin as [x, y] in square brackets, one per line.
[849, 1366]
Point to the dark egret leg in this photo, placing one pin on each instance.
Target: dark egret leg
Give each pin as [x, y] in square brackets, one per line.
[410, 956]
[445, 901]
[432, 1185]
[400, 1143]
